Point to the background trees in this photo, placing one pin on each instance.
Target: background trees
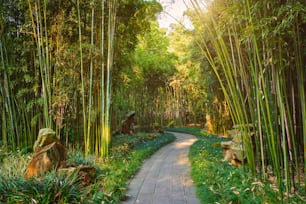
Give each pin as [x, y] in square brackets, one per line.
[59, 62]
[53, 57]
[155, 65]
[202, 98]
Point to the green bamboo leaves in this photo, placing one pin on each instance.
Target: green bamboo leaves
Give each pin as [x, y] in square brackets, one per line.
[249, 45]
[40, 32]
[59, 63]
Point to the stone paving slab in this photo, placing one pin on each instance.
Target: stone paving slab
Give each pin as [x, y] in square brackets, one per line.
[165, 177]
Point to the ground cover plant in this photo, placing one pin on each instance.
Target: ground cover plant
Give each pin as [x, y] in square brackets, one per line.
[113, 173]
[79, 67]
[219, 182]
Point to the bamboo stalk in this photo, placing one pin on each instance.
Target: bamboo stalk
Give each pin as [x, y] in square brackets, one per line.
[102, 88]
[88, 146]
[8, 102]
[47, 65]
[301, 91]
[264, 87]
[3, 98]
[82, 78]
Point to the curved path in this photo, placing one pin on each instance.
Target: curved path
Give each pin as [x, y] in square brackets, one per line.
[165, 177]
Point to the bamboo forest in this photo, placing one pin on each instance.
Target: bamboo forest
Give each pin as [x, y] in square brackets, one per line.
[90, 90]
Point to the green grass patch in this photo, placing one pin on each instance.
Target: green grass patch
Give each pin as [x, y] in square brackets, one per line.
[219, 182]
[123, 167]
[190, 130]
[113, 174]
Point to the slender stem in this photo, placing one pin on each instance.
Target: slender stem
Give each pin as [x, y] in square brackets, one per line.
[82, 77]
[90, 81]
[102, 79]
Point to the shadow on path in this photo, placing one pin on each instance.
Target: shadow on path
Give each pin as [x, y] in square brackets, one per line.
[165, 177]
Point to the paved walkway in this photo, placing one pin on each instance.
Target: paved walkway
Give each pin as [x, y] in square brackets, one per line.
[165, 177]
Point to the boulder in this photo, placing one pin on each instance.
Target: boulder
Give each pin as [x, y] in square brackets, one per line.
[49, 154]
[127, 126]
[47, 158]
[233, 150]
[45, 136]
[227, 150]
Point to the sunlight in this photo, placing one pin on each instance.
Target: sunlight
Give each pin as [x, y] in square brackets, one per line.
[182, 160]
[185, 144]
[173, 13]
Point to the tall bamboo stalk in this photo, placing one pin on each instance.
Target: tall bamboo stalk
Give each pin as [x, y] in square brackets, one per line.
[110, 54]
[41, 41]
[102, 88]
[7, 107]
[82, 77]
[301, 88]
[252, 75]
[47, 67]
[88, 146]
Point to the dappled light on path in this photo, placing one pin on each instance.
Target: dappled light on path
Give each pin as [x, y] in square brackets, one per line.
[184, 143]
[165, 177]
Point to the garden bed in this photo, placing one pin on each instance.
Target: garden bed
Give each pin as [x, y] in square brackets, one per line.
[126, 157]
[220, 182]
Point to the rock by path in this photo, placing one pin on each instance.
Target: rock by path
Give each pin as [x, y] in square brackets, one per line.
[165, 177]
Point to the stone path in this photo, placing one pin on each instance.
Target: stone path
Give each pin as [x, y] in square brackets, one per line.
[165, 177]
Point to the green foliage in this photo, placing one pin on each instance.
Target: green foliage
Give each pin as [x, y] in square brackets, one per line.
[145, 82]
[196, 92]
[218, 182]
[13, 164]
[40, 43]
[249, 46]
[191, 130]
[49, 189]
[126, 157]
[156, 63]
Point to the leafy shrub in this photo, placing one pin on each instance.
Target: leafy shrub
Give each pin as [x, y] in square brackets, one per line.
[51, 188]
[219, 182]
[126, 157]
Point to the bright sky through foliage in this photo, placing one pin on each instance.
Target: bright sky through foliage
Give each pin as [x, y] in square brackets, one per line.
[173, 13]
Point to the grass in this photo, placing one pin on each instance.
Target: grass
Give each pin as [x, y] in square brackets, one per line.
[113, 174]
[219, 182]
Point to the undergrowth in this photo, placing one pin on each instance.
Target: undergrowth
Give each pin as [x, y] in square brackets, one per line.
[219, 182]
[113, 174]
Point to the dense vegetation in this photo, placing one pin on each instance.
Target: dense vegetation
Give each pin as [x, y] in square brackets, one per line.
[79, 66]
[60, 65]
[113, 174]
[64, 66]
[220, 182]
[256, 51]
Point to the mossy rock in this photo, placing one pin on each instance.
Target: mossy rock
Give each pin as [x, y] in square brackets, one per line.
[46, 136]
[238, 152]
[130, 114]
